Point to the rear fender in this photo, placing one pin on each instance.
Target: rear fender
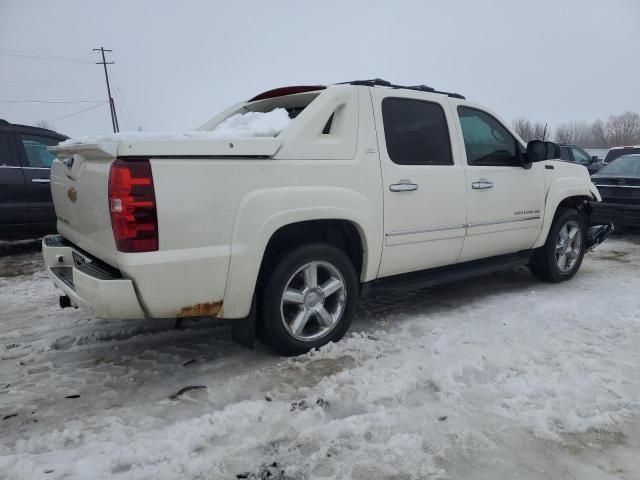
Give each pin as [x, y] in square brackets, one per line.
[263, 212]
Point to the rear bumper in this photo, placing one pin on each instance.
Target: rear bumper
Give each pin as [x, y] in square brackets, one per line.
[617, 213]
[92, 285]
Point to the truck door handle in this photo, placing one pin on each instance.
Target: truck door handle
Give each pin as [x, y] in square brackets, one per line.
[403, 187]
[482, 184]
[41, 180]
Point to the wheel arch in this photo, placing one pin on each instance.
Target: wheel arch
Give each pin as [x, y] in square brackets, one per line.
[272, 220]
[564, 193]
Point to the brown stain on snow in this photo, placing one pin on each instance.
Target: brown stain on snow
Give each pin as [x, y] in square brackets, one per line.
[208, 309]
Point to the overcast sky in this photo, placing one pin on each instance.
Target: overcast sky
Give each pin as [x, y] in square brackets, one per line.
[180, 62]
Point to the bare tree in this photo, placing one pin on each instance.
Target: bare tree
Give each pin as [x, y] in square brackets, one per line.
[45, 124]
[623, 129]
[529, 131]
[576, 133]
[522, 126]
[539, 131]
[598, 134]
[563, 134]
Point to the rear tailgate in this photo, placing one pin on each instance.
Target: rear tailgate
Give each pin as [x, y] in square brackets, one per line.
[79, 184]
[80, 180]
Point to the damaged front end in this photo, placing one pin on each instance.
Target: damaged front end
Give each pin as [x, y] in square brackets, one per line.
[598, 234]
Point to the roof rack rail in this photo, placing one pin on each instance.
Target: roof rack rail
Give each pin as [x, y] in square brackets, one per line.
[378, 82]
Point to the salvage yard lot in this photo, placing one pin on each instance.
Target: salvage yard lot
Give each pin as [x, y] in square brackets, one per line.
[494, 377]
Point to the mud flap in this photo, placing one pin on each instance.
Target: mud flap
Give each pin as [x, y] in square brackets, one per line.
[243, 331]
[598, 234]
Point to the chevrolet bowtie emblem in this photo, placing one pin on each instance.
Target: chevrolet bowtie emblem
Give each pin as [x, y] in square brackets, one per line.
[72, 193]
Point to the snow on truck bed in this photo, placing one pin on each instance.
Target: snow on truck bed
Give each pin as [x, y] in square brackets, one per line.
[240, 125]
[491, 378]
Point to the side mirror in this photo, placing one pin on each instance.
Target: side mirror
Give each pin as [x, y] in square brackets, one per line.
[537, 151]
[594, 159]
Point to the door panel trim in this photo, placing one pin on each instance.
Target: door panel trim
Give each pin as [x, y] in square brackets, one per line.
[500, 222]
[398, 233]
[424, 230]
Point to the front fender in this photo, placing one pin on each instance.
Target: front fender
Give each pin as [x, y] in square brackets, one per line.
[559, 190]
[595, 193]
[262, 212]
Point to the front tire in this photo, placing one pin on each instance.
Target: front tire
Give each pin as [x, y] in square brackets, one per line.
[309, 298]
[561, 256]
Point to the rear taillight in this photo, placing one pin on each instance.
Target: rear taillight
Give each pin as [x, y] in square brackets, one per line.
[132, 204]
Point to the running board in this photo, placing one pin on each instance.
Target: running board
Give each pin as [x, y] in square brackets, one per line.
[450, 273]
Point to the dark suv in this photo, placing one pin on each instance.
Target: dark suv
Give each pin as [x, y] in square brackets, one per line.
[26, 208]
[574, 154]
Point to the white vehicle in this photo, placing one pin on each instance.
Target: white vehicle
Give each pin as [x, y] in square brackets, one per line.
[369, 186]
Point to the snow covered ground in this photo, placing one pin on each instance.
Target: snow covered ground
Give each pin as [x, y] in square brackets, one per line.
[490, 378]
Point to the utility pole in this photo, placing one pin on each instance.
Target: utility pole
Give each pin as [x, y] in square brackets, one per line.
[112, 105]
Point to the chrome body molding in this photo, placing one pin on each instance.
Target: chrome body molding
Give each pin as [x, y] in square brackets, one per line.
[618, 186]
[456, 227]
[500, 222]
[24, 168]
[425, 230]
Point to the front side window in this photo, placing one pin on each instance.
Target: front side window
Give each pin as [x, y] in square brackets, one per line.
[486, 141]
[35, 148]
[580, 156]
[564, 153]
[416, 132]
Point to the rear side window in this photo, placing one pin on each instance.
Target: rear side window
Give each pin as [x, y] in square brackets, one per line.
[486, 141]
[7, 157]
[416, 132]
[35, 148]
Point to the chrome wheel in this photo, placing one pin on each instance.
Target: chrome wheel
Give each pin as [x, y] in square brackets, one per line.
[313, 301]
[568, 246]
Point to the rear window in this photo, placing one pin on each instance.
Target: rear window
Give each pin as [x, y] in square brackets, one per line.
[618, 152]
[294, 104]
[416, 132]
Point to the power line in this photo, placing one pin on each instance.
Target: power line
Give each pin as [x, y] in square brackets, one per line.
[121, 100]
[51, 101]
[79, 111]
[112, 105]
[39, 56]
[44, 82]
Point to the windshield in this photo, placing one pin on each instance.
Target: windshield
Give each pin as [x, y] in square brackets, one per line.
[627, 165]
[618, 152]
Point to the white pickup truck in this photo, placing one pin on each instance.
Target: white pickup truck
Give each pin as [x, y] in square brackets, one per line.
[369, 186]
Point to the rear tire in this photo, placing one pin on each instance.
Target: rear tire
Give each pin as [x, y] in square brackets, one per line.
[561, 256]
[309, 298]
